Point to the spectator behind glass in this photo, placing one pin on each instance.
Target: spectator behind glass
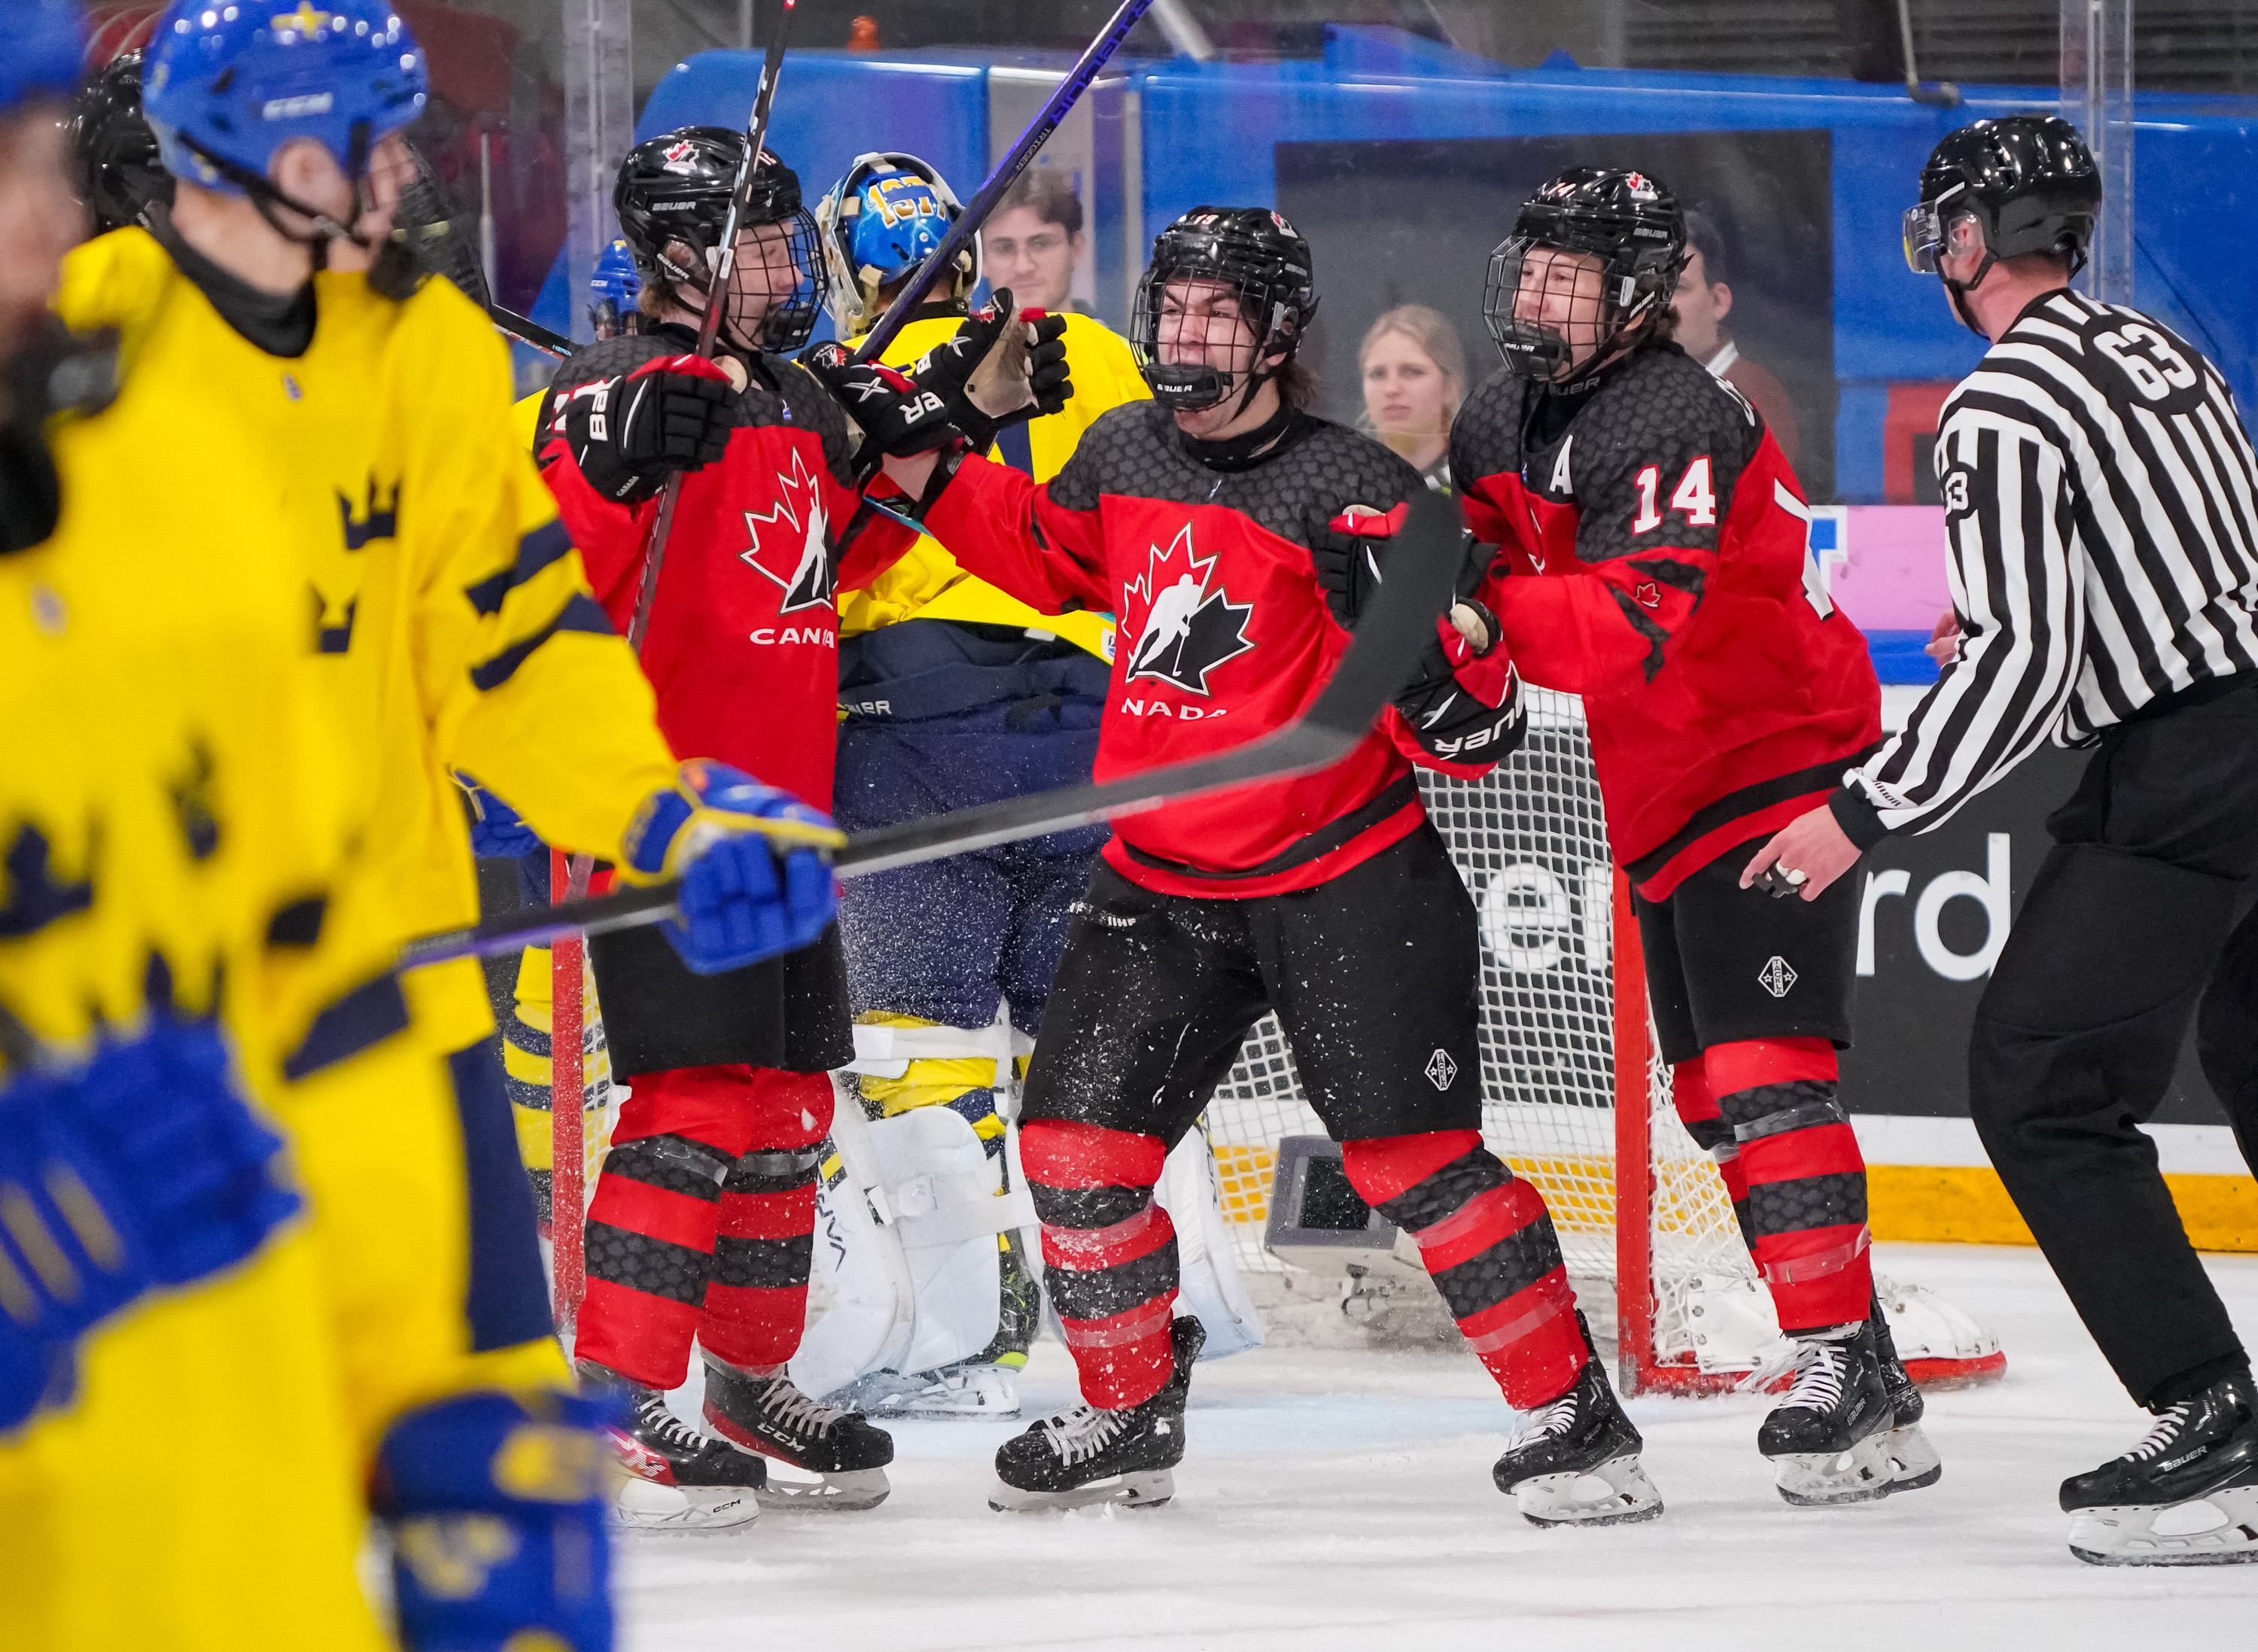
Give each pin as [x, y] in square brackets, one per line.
[1034, 239]
[1702, 302]
[1415, 377]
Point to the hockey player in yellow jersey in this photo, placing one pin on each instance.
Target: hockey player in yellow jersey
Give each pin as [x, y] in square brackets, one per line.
[953, 693]
[168, 839]
[453, 625]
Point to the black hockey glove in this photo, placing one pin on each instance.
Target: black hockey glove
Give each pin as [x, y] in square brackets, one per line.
[895, 415]
[1003, 367]
[1465, 704]
[628, 433]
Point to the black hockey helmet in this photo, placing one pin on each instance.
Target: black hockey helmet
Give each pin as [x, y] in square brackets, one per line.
[673, 193]
[114, 152]
[2029, 181]
[1629, 221]
[1258, 255]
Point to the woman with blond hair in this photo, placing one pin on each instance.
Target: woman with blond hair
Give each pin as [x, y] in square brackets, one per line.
[1414, 370]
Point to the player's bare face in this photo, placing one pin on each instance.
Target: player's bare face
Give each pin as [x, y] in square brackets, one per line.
[1031, 256]
[1562, 292]
[41, 220]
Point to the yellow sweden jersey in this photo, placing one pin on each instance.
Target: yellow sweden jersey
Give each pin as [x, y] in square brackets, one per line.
[151, 680]
[452, 613]
[928, 583]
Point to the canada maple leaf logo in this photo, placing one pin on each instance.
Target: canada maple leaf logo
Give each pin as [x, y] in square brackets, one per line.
[788, 540]
[1178, 630]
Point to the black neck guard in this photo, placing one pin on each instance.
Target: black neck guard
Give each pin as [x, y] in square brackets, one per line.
[1250, 448]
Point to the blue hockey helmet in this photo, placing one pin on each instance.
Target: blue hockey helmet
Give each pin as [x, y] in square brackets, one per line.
[615, 285]
[879, 222]
[45, 39]
[231, 82]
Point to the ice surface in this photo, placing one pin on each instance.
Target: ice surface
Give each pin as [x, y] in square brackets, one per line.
[1343, 1499]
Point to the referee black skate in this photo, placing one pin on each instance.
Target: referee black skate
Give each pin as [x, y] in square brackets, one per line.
[2101, 507]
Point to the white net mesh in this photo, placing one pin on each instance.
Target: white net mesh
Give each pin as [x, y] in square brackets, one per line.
[1530, 842]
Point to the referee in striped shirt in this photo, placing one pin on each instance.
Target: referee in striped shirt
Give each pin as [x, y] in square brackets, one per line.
[2101, 507]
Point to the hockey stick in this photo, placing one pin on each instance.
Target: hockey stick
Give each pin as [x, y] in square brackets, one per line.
[1015, 161]
[526, 330]
[1422, 574]
[709, 322]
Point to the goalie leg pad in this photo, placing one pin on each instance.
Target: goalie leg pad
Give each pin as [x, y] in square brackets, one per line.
[1489, 1246]
[942, 1188]
[495, 1505]
[1807, 1177]
[1109, 1254]
[756, 1305]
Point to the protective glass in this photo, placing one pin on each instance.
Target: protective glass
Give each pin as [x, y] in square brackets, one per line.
[1923, 230]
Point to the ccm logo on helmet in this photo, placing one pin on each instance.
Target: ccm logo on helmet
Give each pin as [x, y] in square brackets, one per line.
[292, 108]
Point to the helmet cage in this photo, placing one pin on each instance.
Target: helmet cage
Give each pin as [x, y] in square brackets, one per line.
[1635, 282]
[1274, 300]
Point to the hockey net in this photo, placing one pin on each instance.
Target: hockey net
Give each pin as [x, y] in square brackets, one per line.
[1573, 1096]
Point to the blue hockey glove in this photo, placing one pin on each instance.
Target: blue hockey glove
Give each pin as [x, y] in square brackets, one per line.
[755, 881]
[496, 829]
[68, 1252]
[177, 1138]
[496, 1506]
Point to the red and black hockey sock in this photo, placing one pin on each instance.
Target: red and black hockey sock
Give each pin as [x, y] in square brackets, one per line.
[651, 1224]
[1109, 1254]
[1697, 1110]
[756, 1306]
[1807, 1179]
[1490, 1249]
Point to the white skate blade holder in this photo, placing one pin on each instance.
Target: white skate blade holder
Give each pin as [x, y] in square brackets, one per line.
[1863, 1474]
[1144, 1488]
[2217, 1530]
[1614, 1493]
[847, 1492]
[641, 1504]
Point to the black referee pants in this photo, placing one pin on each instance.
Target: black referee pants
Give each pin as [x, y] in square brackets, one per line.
[2077, 1036]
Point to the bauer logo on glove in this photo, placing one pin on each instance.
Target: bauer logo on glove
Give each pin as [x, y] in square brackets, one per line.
[756, 882]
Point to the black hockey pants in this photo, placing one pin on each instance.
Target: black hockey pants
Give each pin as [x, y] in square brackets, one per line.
[2078, 1034]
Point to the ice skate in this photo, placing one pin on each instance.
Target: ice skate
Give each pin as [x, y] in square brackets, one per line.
[2187, 1495]
[838, 1446]
[1830, 1439]
[1090, 1455]
[1575, 1463]
[1914, 1461]
[679, 1480]
[964, 1390]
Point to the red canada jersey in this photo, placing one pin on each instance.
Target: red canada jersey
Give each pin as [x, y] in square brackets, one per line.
[1656, 561]
[743, 645]
[1224, 634]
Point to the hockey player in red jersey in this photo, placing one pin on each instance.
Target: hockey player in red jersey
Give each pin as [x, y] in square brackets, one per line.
[1654, 560]
[702, 1220]
[1237, 537]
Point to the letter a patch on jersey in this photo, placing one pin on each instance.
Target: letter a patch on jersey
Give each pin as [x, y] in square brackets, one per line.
[1176, 628]
[788, 541]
